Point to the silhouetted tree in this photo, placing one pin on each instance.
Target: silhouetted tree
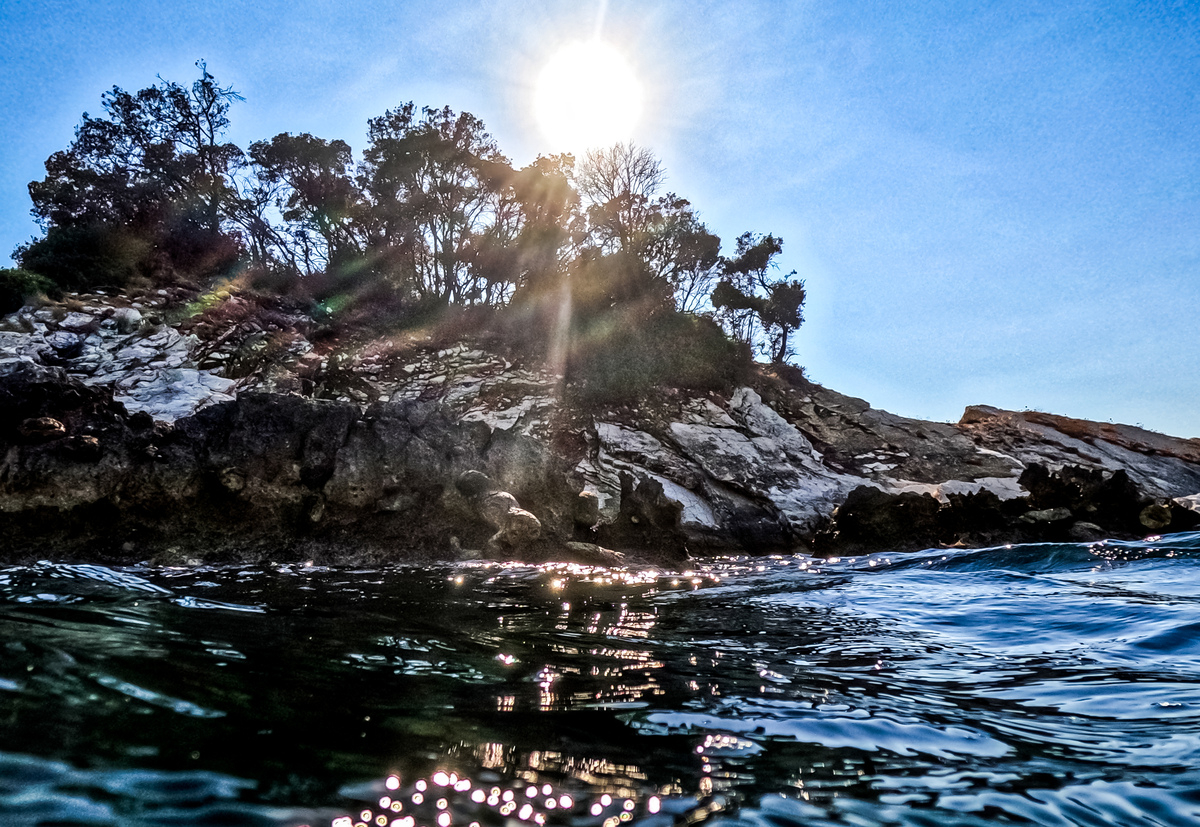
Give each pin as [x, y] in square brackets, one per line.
[310, 184]
[619, 184]
[625, 282]
[752, 306]
[536, 219]
[429, 200]
[154, 168]
[678, 247]
[627, 215]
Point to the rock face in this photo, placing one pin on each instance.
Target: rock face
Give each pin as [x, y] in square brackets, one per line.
[125, 439]
[147, 364]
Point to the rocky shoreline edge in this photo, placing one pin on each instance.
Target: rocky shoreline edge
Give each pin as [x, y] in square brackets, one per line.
[127, 437]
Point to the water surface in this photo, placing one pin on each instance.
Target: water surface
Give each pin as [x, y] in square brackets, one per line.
[1040, 684]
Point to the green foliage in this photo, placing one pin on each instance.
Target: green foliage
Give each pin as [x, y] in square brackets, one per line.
[18, 286]
[621, 358]
[152, 172]
[310, 182]
[432, 183]
[86, 256]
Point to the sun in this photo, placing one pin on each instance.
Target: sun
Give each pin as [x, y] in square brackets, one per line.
[587, 97]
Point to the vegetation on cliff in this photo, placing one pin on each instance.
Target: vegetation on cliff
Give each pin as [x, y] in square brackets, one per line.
[588, 263]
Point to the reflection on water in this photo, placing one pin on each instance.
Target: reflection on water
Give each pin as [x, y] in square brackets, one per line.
[445, 799]
[1029, 684]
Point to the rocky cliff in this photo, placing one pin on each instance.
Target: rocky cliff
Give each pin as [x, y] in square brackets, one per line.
[229, 435]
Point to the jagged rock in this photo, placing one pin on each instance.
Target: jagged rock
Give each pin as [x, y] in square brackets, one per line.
[648, 520]
[979, 413]
[66, 345]
[463, 443]
[874, 520]
[1182, 517]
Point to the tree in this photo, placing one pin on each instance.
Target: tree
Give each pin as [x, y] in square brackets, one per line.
[619, 184]
[310, 185]
[662, 233]
[155, 166]
[536, 217]
[678, 247]
[429, 200]
[754, 307]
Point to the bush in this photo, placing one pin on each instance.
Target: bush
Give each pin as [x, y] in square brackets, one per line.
[621, 360]
[17, 287]
[85, 257]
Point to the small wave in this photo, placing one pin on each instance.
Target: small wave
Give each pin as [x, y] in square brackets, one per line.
[36, 791]
[869, 733]
[99, 574]
[1100, 802]
[200, 603]
[66, 582]
[149, 696]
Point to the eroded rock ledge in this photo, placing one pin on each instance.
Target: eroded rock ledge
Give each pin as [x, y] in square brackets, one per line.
[125, 438]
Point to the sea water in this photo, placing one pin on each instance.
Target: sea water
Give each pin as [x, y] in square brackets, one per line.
[1037, 684]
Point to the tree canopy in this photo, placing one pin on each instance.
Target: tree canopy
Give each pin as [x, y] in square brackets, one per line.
[431, 214]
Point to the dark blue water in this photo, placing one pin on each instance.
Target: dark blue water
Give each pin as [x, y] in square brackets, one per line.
[1048, 684]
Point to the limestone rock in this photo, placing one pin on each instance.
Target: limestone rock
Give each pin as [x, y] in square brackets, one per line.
[127, 320]
[436, 441]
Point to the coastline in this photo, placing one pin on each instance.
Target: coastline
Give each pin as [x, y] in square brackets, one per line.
[129, 437]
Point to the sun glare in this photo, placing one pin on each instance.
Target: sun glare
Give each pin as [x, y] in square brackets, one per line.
[587, 96]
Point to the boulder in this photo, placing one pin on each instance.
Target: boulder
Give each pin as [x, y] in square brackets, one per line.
[874, 520]
[1085, 532]
[127, 320]
[1155, 517]
[42, 429]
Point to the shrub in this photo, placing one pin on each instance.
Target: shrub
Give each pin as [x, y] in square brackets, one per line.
[85, 257]
[619, 360]
[17, 287]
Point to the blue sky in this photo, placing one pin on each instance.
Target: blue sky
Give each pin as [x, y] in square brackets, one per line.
[990, 204]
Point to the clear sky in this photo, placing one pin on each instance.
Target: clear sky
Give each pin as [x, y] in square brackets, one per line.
[991, 203]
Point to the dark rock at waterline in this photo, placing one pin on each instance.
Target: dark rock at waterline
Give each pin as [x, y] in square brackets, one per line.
[874, 519]
[276, 476]
[1072, 504]
[288, 477]
[648, 519]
